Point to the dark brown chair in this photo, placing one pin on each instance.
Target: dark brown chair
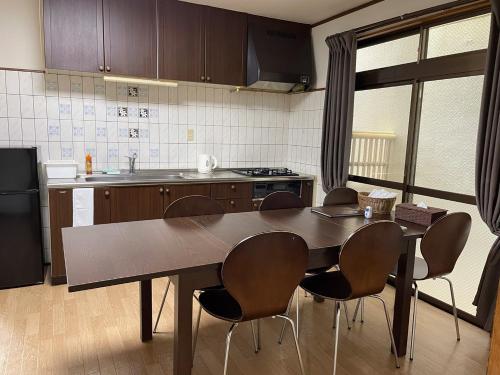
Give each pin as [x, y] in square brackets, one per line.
[193, 205]
[442, 244]
[281, 200]
[339, 196]
[280, 260]
[366, 260]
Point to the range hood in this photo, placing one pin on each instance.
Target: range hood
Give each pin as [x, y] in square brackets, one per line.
[279, 55]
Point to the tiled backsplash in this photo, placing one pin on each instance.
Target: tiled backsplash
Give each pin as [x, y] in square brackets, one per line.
[67, 115]
[304, 136]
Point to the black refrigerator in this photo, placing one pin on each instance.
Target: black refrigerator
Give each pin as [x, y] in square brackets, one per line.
[21, 250]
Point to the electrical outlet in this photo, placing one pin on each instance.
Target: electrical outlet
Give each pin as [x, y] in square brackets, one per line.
[190, 135]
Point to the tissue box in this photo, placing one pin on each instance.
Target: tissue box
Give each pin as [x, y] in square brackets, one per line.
[423, 216]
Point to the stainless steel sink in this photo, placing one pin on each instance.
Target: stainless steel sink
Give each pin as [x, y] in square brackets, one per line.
[135, 177]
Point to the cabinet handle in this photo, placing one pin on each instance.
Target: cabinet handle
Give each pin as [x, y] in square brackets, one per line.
[231, 203]
[101, 68]
[202, 78]
[161, 190]
[208, 78]
[63, 191]
[106, 193]
[108, 68]
[233, 187]
[167, 191]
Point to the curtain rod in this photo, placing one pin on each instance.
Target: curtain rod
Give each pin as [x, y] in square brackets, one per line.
[409, 20]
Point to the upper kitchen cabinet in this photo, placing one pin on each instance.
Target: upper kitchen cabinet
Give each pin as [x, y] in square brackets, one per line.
[130, 37]
[201, 44]
[74, 35]
[225, 46]
[181, 41]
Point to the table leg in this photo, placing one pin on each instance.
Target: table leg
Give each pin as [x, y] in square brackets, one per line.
[402, 301]
[146, 310]
[183, 312]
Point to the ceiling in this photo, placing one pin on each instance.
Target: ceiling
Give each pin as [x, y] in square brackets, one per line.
[305, 11]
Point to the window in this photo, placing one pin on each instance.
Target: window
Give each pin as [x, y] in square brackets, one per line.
[427, 104]
[460, 36]
[394, 52]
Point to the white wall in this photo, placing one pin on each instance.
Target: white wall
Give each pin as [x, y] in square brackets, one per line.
[378, 12]
[20, 35]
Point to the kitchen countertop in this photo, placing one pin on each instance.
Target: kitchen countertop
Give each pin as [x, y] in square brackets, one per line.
[156, 176]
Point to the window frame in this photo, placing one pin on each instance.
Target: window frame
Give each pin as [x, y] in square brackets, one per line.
[423, 70]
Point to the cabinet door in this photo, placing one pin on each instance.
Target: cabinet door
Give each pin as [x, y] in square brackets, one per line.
[232, 190]
[102, 205]
[130, 37]
[238, 205]
[74, 35]
[306, 193]
[181, 41]
[61, 216]
[226, 46]
[133, 203]
[174, 192]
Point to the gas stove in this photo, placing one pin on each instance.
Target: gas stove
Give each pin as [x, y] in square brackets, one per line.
[265, 172]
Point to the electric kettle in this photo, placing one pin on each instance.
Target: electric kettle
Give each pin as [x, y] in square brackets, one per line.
[206, 163]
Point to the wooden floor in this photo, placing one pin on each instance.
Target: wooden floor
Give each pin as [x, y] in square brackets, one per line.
[46, 330]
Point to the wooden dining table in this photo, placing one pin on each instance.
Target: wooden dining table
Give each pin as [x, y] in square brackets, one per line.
[191, 250]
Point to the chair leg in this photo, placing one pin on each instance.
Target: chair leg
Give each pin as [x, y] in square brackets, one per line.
[389, 327]
[228, 343]
[360, 306]
[282, 333]
[454, 306]
[197, 328]
[296, 339]
[362, 310]
[414, 323]
[337, 325]
[161, 306]
[346, 311]
[297, 311]
[255, 340]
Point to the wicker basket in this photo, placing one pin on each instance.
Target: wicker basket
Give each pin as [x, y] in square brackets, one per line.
[379, 205]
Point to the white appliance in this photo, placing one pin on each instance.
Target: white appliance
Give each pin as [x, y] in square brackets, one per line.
[206, 163]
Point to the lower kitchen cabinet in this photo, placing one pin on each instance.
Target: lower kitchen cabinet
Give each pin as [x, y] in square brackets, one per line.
[61, 216]
[102, 205]
[237, 205]
[114, 204]
[174, 192]
[306, 192]
[133, 203]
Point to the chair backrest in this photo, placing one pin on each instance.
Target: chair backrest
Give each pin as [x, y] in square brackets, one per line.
[369, 255]
[444, 241]
[193, 205]
[341, 195]
[262, 272]
[281, 200]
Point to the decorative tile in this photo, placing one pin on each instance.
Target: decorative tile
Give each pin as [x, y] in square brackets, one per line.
[100, 132]
[143, 113]
[133, 133]
[122, 112]
[67, 152]
[133, 91]
[78, 131]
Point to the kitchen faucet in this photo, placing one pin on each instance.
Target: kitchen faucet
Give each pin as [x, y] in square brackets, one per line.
[131, 163]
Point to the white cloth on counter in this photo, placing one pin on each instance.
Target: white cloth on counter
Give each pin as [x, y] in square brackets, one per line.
[422, 205]
[83, 207]
[381, 193]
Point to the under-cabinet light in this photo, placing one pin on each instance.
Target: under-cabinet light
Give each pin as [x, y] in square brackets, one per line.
[140, 81]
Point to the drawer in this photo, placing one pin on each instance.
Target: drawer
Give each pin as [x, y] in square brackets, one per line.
[237, 205]
[232, 190]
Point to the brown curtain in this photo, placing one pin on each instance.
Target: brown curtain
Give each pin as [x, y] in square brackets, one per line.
[488, 172]
[338, 112]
